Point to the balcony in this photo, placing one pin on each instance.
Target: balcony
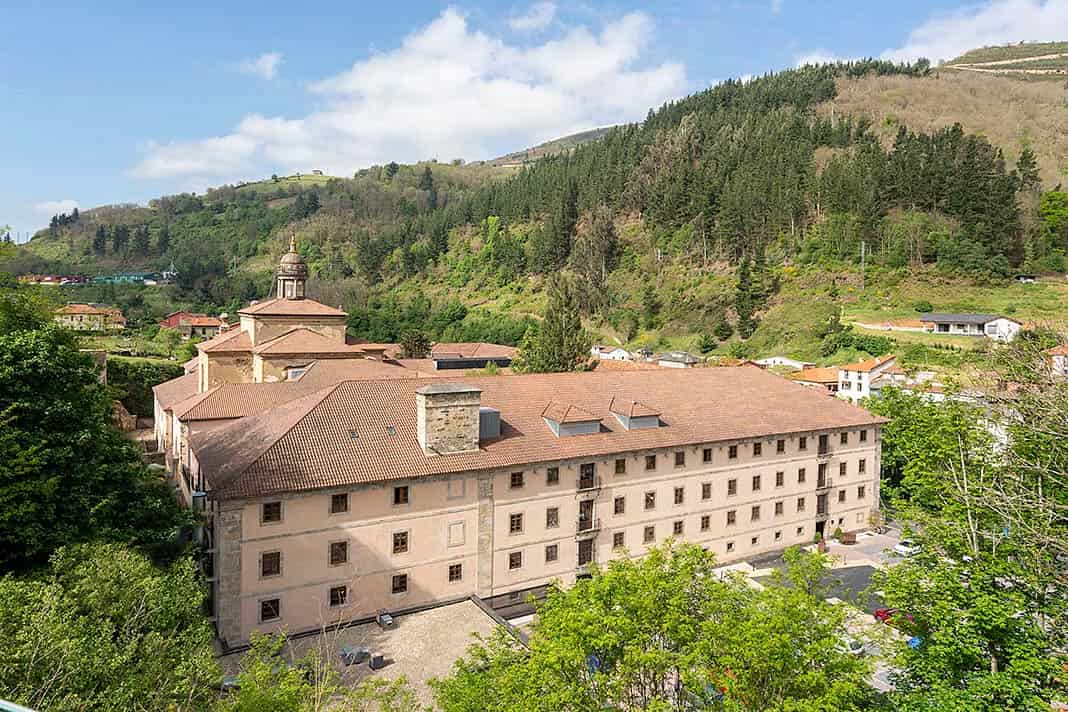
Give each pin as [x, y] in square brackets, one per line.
[823, 454]
[587, 525]
[823, 483]
[588, 483]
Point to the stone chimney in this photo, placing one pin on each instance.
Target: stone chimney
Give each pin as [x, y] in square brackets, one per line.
[447, 417]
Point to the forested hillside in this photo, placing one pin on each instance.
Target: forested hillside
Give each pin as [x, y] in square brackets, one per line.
[699, 222]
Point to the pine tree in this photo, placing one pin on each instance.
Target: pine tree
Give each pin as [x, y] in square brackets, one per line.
[100, 240]
[141, 240]
[744, 302]
[426, 183]
[120, 238]
[164, 242]
[1027, 171]
[560, 343]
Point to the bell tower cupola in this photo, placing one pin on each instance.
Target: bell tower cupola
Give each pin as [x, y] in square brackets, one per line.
[292, 273]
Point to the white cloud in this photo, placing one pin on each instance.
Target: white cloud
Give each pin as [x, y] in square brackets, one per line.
[55, 207]
[997, 22]
[265, 66]
[818, 56]
[448, 90]
[537, 17]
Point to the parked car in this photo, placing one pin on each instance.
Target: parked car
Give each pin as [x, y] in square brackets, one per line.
[906, 547]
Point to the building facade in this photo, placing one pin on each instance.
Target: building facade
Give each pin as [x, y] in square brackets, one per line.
[386, 495]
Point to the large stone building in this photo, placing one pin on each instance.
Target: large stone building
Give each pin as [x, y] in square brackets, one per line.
[390, 494]
[90, 317]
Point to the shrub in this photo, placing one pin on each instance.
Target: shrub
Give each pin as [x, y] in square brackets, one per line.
[923, 306]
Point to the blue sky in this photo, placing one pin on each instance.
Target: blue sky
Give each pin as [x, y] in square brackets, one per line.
[121, 102]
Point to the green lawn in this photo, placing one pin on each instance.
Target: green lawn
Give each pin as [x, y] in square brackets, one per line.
[1020, 51]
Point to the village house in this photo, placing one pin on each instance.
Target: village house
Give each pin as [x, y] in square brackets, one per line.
[783, 362]
[677, 359]
[192, 325]
[1058, 358]
[991, 326]
[90, 317]
[822, 378]
[610, 353]
[863, 379]
[397, 493]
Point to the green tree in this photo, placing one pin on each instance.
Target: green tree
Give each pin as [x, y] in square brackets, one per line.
[104, 629]
[426, 184]
[100, 240]
[663, 632]
[120, 238]
[745, 300]
[163, 243]
[415, 344]
[141, 241]
[66, 474]
[560, 343]
[1027, 170]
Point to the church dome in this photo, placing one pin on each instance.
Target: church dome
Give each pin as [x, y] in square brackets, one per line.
[292, 264]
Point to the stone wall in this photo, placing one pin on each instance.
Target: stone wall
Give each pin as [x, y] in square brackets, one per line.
[447, 418]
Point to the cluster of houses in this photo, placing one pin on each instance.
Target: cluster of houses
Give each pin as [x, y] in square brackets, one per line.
[990, 326]
[667, 359]
[149, 279]
[338, 481]
[90, 317]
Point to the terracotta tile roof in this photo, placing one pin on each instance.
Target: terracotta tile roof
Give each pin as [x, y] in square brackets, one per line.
[365, 431]
[191, 365]
[238, 400]
[475, 349]
[291, 307]
[175, 390]
[603, 366]
[1061, 350]
[631, 408]
[80, 309]
[816, 375]
[387, 350]
[305, 341]
[201, 320]
[321, 374]
[869, 365]
[228, 341]
[567, 413]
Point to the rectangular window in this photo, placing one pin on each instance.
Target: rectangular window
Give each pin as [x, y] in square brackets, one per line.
[339, 596]
[706, 455]
[780, 479]
[680, 458]
[802, 443]
[732, 452]
[270, 564]
[649, 535]
[841, 495]
[650, 500]
[706, 490]
[619, 505]
[861, 491]
[864, 436]
[339, 553]
[617, 540]
[552, 517]
[400, 542]
[339, 503]
[800, 531]
[676, 528]
[800, 504]
[399, 583]
[730, 546]
[400, 495]
[270, 610]
[732, 517]
[515, 560]
[800, 475]
[821, 473]
[271, 512]
[756, 483]
[515, 523]
[862, 464]
[758, 448]
[778, 509]
[778, 535]
[650, 462]
[621, 465]
[706, 522]
[552, 476]
[516, 480]
[754, 541]
[587, 471]
[732, 487]
[754, 514]
[552, 553]
[680, 495]
[844, 438]
[456, 572]
[780, 446]
[841, 469]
